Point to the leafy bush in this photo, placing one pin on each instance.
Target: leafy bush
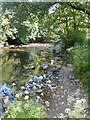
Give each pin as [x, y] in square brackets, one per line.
[80, 62]
[25, 109]
[73, 37]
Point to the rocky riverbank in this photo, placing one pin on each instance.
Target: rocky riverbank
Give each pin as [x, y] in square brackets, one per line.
[55, 86]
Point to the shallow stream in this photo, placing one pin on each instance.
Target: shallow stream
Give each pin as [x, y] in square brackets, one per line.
[40, 73]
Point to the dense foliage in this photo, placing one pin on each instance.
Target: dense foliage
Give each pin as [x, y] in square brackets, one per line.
[40, 22]
[80, 63]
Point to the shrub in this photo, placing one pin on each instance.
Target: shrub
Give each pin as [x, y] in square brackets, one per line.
[25, 109]
[73, 37]
[80, 62]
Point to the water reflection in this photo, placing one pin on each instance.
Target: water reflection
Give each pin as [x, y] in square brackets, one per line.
[18, 65]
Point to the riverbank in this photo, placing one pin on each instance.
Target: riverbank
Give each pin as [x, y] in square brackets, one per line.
[20, 47]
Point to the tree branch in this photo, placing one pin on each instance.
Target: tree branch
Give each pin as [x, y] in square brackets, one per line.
[80, 7]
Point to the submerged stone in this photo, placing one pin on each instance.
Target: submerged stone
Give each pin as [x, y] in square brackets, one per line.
[71, 99]
[39, 90]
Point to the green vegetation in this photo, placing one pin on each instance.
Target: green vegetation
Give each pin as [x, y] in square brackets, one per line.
[25, 109]
[79, 111]
[80, 63]
[23, 23]
[65, 24]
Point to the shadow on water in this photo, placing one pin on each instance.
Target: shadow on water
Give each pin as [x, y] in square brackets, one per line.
[17, 66]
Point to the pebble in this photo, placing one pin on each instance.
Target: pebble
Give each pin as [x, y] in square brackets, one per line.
[62, 96]
[44, 113]
[61, 115]
[48, 109]
[62, 103]
[65, 90]
[70, 99]
[49, 85]
[76, 80]
[34, 83]
[52, 62]
[39, 90]
[54, 117]
[29, 85]
[58, 66]
[49, 81]
[13, 84]
[44, 76]
[47, 103]
[34, 87]
[42, 94]
[30, 81]
[6, 101]
[61, 87]
[56, 105]
[45, 67]
[38, 97]
[56, 77]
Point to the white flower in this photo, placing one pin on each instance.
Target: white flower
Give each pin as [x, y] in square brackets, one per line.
[6, 112]
[22, 87]
[67, 110]
[26, 97]
[78, 101]
[17, 95]
[18, 109]
[26, 92]
[83, 101]
[26, 106]
[38, 109]
[61, 115]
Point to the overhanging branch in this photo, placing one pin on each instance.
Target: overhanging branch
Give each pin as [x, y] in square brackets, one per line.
[79, 8]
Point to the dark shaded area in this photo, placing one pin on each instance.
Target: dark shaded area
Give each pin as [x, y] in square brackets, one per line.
[17, 41]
